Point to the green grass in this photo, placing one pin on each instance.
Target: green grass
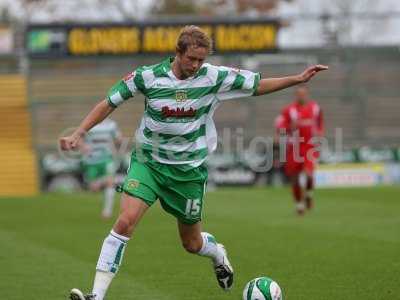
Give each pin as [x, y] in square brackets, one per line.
[347, 248]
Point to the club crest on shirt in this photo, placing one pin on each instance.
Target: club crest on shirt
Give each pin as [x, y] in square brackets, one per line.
[181, 95]
[132, 184]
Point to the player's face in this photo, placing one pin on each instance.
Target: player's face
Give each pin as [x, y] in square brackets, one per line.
[302, 94]
[192, 60]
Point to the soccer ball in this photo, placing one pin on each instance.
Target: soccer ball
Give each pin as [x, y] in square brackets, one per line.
[262, 288]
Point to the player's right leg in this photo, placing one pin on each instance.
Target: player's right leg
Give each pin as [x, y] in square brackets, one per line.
[204, 244]
[112, 251]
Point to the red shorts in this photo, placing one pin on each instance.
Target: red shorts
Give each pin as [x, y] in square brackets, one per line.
[306, 160]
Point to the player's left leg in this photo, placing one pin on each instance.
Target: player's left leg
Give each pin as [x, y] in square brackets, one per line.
[309, 169]
[309, 189]
[113, 248]
[204, 244]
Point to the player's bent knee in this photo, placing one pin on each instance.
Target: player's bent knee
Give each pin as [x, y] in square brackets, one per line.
[192, 246]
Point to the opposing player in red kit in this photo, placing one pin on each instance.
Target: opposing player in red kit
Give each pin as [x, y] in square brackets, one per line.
[302, 121]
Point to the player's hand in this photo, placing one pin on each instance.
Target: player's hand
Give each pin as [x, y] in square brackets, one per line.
[310, 72]
[70, 142]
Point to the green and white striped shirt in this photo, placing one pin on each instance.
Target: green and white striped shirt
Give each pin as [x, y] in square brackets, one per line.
[101, 142]
[177, 126]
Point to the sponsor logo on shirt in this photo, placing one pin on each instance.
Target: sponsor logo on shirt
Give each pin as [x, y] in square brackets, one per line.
[178, 112]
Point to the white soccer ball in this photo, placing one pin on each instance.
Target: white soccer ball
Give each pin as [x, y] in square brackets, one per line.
[262, 288]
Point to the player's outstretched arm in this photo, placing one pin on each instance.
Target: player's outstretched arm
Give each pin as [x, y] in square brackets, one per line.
[95, 116]
[270, 85]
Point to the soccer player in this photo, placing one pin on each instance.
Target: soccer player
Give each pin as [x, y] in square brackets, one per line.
[98, 161]
[303, 123]
[175, 136]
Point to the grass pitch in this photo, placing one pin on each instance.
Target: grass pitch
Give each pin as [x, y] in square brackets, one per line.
[347, 248]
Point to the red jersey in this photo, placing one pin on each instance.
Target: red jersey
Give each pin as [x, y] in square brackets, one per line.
[304, 120]
[301, 123]
[280, 124]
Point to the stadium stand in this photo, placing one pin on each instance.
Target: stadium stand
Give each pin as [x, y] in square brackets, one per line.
[19, 174]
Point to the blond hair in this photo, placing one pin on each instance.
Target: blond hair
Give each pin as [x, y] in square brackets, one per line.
[193, 36]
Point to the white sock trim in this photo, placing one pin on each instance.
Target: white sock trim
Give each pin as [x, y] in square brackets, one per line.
[122, 238]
